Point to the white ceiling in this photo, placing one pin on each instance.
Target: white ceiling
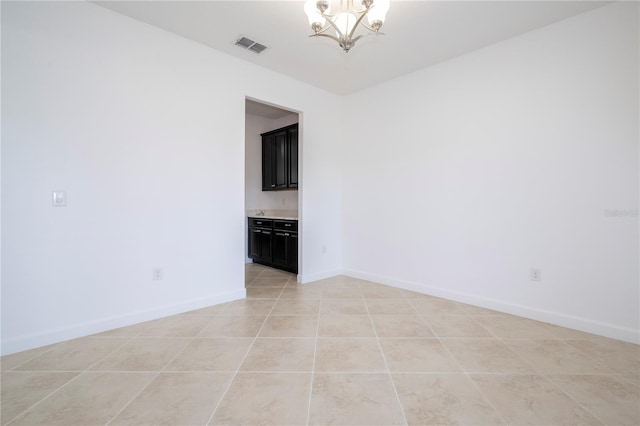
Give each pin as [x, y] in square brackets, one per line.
[417, 34]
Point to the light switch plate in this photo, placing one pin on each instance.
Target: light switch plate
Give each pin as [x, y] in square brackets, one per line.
[59, 198]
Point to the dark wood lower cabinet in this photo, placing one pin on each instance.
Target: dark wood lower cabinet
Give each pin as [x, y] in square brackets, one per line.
[274, 243]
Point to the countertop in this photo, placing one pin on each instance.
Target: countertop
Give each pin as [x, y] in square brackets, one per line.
[273, 214]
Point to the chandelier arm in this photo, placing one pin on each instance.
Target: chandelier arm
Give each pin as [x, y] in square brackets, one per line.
[327, 35]
[340, 34]
[368, 27]
[353, 41]
[358, 21]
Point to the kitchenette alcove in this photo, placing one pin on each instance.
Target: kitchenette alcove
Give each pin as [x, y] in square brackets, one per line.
[271, 186]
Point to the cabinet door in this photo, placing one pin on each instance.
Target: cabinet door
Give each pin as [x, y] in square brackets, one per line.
[265, 246]
[280, 246]
[280, 156]
[254, 243]
[268, 154]
[292, 181]
[292, 253]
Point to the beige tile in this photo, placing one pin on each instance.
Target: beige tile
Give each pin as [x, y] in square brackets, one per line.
[479, 311]
[348, 355]
[529, 399]
[342, 292]
[263, 292]
[613, 400]
[296, 307]
[371, 284]
[234, 326]
[390, 307]
[337, 281]
[486, 356]
[631, 378]
[215, 354]
[275, 273]
[343, 307]
[280, 354]
[143, 354]
[290, 326]
[418, 355]
[176, 399]
[567, 333]
[73, 355]
[210, 310]
[265, 399]
[555, 357]
[254, 267]
[435, 306]
[345, 326]
[410, 295]
[621, 357]
[443, 399]
[129, 331]
[177, 326]
[305, 291]
[354, 399]
[503, 326]
[268, 282]
[456, 326]
[383, 292]
[92, 399]
[400, 326]
[9, 362]
[249, 307]
[20, 390]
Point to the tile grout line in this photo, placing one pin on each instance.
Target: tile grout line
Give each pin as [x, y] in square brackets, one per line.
[547, 378]
[235, 374]
[464, 371]
[386, 364]
[30, 359]
[80, 374]
[313, 365]
[192, 339]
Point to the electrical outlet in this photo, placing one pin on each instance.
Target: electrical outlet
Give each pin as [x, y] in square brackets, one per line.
[535, 274]
[157, 274]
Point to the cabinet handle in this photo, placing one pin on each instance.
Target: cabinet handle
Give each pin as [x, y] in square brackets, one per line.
[257, 231]
[273, 186]
[259, 223]
[265, 232]
[286, 235]
[287, 224]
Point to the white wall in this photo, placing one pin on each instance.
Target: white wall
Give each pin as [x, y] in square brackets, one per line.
[463, 176]
[145, 132]
[255, 198]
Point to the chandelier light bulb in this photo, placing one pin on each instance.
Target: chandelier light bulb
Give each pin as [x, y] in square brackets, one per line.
[377, 13]
[316, 20]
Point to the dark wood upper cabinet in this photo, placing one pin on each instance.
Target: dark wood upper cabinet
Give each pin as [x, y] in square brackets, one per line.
[292, 135]
[280, 159]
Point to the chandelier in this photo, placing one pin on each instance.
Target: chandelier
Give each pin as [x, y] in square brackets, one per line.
[345, 18]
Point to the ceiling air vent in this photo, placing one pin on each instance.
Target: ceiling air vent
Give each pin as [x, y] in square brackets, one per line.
[248, 44]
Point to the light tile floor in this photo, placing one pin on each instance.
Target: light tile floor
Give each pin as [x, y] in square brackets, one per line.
[338, 351]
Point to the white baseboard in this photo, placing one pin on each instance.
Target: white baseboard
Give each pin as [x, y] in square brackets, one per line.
[48, 337]
[308, 278]
[556, 318]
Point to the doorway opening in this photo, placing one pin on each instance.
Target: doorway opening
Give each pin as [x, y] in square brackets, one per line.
[272, 202]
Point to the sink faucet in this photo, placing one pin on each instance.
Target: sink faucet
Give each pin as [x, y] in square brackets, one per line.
[259, 212]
